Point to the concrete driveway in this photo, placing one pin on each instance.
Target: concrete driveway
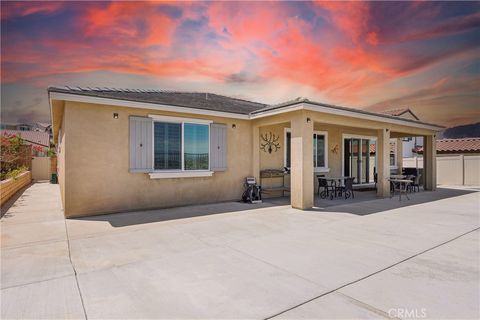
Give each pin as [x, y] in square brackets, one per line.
[236, 260]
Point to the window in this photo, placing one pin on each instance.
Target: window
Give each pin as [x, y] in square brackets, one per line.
[288, 137]
[167, 146]
[320, 151]
[393, 153]
[196, 146]
[181, 146]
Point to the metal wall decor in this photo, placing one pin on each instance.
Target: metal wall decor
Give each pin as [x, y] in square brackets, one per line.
[270, 142]
[335, 149]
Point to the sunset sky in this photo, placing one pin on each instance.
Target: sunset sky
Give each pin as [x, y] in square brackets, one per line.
[377, 56]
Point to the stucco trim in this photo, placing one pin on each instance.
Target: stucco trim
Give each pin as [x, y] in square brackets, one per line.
[157, 117]
[347, 113]
[180, 174]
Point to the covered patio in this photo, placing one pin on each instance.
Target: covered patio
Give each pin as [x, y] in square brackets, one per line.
[323, 203]
[316, 140]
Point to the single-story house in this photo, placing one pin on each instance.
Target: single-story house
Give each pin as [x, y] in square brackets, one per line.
[121, 150]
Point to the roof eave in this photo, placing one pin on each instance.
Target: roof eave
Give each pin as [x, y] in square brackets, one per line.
[315, 106]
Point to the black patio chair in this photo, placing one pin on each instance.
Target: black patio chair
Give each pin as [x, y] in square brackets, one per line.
[347, 189]
[415, 185]
[327, 189]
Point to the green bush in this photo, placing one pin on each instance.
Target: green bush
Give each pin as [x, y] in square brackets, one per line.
[13, 173]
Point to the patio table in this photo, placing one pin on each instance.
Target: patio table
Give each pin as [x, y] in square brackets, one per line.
[332, 181]
[400, 185]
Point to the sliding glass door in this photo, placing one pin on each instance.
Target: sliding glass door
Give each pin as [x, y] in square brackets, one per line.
[359, 159]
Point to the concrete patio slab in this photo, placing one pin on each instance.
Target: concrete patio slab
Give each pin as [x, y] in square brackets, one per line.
[51, 299]
[334, 306]
[116, 249]
[205, 284]
[22, 234]
[443, 283]
[317, 256]
[35, 263]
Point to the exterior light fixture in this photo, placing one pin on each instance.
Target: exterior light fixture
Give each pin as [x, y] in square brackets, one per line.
[308, 120]
[234, 126]
[115, 116]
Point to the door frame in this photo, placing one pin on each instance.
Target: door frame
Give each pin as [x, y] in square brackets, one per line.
[356, 136]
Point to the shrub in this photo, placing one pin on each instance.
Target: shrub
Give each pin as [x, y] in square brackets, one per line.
[14, 173]
[11, 155]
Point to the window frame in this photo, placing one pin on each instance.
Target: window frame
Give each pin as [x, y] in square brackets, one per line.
[315, 132]
[395, 153]
[179, 172]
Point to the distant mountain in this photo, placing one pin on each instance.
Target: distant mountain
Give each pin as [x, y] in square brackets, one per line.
[465, 131]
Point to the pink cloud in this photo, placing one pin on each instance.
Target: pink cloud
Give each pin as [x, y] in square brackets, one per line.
[21, 9]
[247, 23]
[138, 22]
[352, 18]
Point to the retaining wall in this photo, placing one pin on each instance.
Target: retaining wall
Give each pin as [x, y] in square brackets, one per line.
[10, 186]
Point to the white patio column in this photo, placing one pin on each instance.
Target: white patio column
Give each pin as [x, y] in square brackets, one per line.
[383, 163]
[399, 146]
[301, 182]
[429, 163]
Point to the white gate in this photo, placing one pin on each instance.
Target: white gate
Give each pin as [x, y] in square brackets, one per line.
[41, 168]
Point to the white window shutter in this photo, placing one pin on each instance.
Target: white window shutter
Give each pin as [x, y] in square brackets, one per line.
[218, 147]
[141, 144]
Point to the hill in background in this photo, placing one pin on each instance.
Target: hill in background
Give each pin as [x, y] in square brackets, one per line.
[465, 131]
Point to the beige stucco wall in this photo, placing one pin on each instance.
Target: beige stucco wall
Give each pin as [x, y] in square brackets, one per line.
[97, 179]
[274, 160]
[61, 151]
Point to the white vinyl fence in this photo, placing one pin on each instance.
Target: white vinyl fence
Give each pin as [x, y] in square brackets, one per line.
[41, 168]
[457, 169]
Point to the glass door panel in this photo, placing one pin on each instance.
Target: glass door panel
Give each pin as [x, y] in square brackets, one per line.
[355, 160]
[359, 160]
[364, 163]
[372, 164]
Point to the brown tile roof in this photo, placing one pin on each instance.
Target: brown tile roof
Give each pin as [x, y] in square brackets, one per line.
[31, 137]
[465, 145]
[196, 100]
